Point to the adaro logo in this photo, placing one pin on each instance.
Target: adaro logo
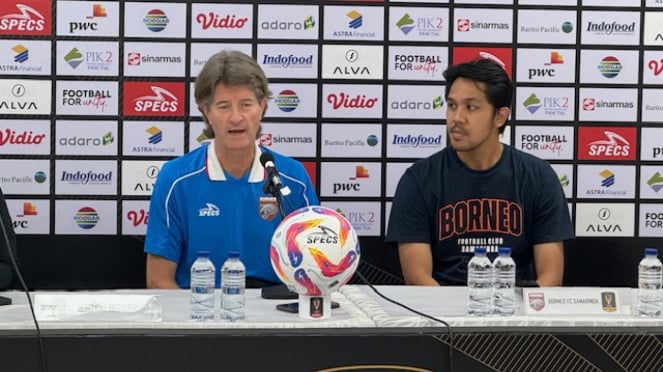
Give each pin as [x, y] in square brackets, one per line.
[606, 143]
[501, 56]
[153, 98]
[27, 17]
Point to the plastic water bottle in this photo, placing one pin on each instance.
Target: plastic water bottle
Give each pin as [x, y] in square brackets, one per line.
[233, 282]
[504, 283]
[203, 275]
[650, 298]
[479, 283]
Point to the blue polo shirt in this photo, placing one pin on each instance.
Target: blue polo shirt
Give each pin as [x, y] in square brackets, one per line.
[195, 206]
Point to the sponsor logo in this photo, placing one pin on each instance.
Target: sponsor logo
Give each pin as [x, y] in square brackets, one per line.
[607, 181]
[153, 99]
[501, 56]
[21, 53]
[210, 210]
[543, 142]
[287, 100]
[600, 143]
[87, 178]
[155, 135]
[360, 172]
[655, 66]
[551, 105]
[465, 25]
[213, 20]
[408, 62]
[566, 27]
[343, 100]
[591, 104]
[356, 21]
[40, 177]
[105, 140]
[156, 20]
[536, 301]
[610, 67]
[654, 220]
[136, 59]
[426, 26]
[268, 139]
[29, 209]
[435, 104]
[655, 182]
[417, 141]
[556, 58]
[86, 97]
[603, 214]
[267, 207]
[74, 58]
[287, 61]
[138, 218]
[27, 137]
[18, 90]
[98, 11]
[26, 20]
[352, 56]
[405, 24]
[613, 28]
[86, 218]
[306, 24]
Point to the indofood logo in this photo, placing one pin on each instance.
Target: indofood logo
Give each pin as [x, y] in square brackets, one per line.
[85, 178]
[615, 28]
[86, 218]
[417, 141]
[287, 61]
[156, 20]
[655, 182]
[610, 67]
[287, 100]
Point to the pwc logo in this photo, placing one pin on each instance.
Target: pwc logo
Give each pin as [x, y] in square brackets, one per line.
[25, 17]
[153, 98]
[606, 143]
[352, 185]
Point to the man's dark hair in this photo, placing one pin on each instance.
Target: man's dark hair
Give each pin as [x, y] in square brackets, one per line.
[498, 86]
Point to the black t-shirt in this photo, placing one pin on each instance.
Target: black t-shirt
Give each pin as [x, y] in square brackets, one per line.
[517, 203]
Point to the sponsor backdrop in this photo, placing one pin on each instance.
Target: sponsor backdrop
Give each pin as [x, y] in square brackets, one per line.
[96, 95]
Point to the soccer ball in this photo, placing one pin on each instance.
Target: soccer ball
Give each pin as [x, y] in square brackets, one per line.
[314, 251]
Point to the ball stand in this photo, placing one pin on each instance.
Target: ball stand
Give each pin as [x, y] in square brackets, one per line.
[314, 307]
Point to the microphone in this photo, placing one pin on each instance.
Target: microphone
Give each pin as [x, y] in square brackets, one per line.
[267, 161]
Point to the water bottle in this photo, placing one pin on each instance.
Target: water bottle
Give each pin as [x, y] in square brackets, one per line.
[504, 283]
[203, 274]
[233, 282]
[650, 298]
[479, 283]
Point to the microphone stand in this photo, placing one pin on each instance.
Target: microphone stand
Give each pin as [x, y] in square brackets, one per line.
[270, 188]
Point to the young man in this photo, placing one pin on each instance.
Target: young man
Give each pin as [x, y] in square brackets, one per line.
[212, 198]
[479, 192]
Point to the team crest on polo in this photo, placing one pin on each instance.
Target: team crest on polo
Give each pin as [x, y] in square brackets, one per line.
[268, 207]
[536, 301]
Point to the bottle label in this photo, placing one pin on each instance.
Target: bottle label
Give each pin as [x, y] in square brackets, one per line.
[202, 289]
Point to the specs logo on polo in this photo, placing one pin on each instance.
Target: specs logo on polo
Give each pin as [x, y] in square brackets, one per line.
[210, 210]
[214, 20]
[28, 19]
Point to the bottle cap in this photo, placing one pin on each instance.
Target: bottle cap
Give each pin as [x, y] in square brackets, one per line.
[203, 253]
[651, 251]
[233, 254]
[504, 250]
[479, 250]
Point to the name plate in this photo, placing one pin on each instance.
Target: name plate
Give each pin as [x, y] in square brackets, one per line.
[97, 307]
[566, 301]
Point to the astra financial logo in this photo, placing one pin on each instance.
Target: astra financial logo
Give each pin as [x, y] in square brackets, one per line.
[155, 135]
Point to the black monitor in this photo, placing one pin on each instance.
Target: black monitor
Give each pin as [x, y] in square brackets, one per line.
[7, 242]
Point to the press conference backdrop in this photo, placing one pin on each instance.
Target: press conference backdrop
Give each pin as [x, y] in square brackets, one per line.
[96, 95]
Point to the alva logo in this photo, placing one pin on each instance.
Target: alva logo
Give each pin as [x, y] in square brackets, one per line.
[656, 182]
[74, 58]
